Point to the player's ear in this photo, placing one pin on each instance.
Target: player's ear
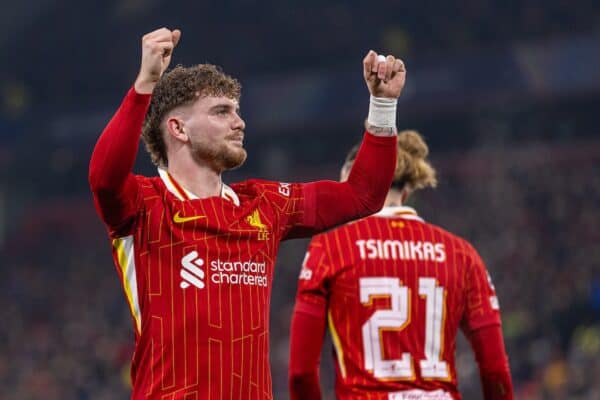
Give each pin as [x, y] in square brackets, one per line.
[176, 128]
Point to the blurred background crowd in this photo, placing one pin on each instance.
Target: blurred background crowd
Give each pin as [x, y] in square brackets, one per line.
[506, 93]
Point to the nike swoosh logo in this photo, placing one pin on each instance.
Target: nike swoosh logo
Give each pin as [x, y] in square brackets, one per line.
[178, 219]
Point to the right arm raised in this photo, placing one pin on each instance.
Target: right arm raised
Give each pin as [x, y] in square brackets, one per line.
[113, 185]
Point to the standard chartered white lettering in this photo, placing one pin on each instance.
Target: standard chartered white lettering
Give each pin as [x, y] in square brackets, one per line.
[238, 266]
[400, 250]
[238, 279]
[238, 273]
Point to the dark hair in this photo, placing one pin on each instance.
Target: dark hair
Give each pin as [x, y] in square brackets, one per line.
[182, 86]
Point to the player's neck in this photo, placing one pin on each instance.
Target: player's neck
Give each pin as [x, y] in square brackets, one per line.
[201, 180]
[394, 198]
[397, 197]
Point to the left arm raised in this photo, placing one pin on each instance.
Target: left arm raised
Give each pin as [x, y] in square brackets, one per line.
[329, 203]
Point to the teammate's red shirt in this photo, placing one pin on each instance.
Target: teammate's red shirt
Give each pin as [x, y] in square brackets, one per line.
[197, 273]
[396, 290]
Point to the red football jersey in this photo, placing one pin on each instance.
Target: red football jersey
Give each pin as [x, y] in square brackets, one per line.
[396, 290]
[197, 274]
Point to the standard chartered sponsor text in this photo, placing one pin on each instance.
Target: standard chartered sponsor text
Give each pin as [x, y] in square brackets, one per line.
[238, 273]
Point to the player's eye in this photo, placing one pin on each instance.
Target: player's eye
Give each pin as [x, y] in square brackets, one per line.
[222, 110]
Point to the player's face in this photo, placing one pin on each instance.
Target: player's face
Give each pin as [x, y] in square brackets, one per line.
[216, 132]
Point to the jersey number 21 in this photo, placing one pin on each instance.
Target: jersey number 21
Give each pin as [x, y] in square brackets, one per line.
[397, 318]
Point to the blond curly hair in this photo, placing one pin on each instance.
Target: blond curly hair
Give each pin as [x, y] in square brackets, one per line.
[412, 167]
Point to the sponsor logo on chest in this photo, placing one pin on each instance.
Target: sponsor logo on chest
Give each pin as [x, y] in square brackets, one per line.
[194, 271]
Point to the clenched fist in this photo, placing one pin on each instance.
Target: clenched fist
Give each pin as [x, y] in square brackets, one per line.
[384, 78]
[157, 48]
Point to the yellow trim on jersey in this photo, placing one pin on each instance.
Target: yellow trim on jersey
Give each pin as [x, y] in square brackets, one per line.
[180, 190]
[337, 344]
[403, 212]
[126, 260]
[183, 194]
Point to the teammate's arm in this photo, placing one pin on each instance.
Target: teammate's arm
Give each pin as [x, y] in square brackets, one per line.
[331, 203]
[494, 371]
[308, 324]
[111, 180]
[482, 326]
[306, 340]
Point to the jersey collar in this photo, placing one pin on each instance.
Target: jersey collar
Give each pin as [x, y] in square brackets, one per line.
[399, 212]
[183, 194]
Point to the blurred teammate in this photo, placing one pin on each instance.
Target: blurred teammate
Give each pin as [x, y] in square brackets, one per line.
[196, 256]
[395, 289]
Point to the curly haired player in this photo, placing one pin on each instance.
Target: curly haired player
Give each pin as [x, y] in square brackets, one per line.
[395, 289]
[195, 255]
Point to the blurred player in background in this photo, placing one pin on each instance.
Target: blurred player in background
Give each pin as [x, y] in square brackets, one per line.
[395, 289]
[196, 256]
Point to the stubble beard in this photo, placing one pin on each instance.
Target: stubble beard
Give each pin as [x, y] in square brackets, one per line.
[220, 156]
[232, 159]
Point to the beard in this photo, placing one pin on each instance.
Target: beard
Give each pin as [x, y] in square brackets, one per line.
[230, 158]
[221, 156]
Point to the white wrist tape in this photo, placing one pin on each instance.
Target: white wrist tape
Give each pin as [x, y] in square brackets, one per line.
[382, 112]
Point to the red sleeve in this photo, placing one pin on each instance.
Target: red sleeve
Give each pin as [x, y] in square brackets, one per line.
[329, 203]
[313, 282]
[306, 340]
[494, 371]
[113, 185]
[482, 307]
[308, 324]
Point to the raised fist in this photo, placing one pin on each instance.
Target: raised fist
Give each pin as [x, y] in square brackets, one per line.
[157, 48]
[384, 78]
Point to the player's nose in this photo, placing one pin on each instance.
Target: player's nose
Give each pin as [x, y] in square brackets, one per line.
[239, 123]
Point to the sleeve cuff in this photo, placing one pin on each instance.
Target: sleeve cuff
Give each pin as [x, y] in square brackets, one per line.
[138, 98]
[380, 140]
